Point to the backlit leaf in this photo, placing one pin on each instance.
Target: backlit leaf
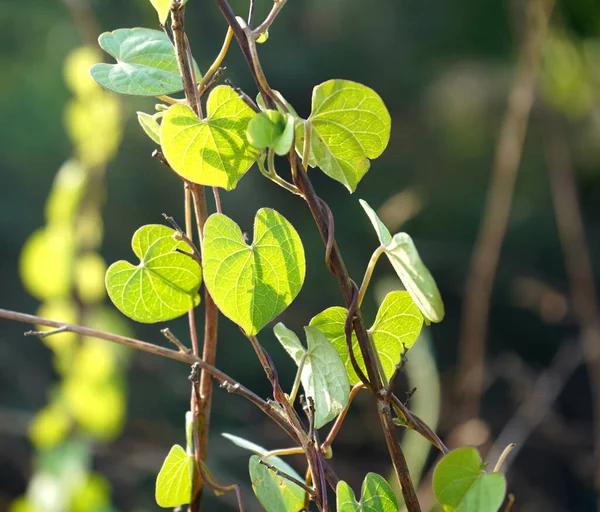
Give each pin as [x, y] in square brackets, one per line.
[461, 484]
[150, 126]
[323, 376]
[162, 8]
[404, 257]
[146, 63]
[376, 496]
[163, 286]
[213, 151]
[396, 328]
[274, 492]
[349, 125]
[174, 481]
[252, 284]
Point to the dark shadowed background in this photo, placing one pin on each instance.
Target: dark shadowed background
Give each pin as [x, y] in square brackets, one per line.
[445, 71]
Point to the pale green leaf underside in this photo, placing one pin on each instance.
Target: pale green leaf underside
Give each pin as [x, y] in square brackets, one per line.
[259, 450]
[376, 496]
[146, 63]
[396, 328]
[323, 377]
[385, 238]
[213, 151]
[150, 126]
[460, 484]
[275, 493]
[162, 8]
[174, 481]
[415, 276]
[349, 125]
[253, 284]
[165, 283]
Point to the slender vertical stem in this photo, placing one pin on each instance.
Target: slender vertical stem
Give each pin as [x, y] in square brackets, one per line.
[368, 274]
[486, 253]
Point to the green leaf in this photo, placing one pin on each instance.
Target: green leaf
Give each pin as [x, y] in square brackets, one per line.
[396, 328]
[165, 283]
[212, 151]
[376, 496]
[415, 276]
[150, 125]
[174, 481]
[461, 485]
[383, 233]
[349, 124]
[259, 450]
[162, 8]
[146, 63]
[404, 257]
[271, 129]
[323, 377]
[253, 284]
[274, 492]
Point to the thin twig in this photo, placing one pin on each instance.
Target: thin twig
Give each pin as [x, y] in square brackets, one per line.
[503, 456]
[217, 63]
[183, 236]
[45, 334]
[166, 332]
[578, 263]
[492, 229]
[264, 26]
[282, 474]
[325, 447]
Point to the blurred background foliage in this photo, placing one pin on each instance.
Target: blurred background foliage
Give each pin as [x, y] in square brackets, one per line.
[100, 421]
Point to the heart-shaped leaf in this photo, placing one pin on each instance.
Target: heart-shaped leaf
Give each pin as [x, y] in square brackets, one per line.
[461, 484]
[212, 151]
[271, 129]
[323, 376]
[150, 126]
[396, 328]
[404, 257]
[165, 283]
[174, 481]
[162, 8]
[376, 496]
[146, 63]
[253, 284]
[349, 124]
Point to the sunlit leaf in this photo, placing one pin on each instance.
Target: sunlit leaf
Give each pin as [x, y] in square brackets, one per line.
[46, 262]
[162, 8]
[174, 481]
[323, 376]
[349, 124]
[404, 257]
[50, 426]
[77, 70]
[93, 495]
[165, 283]
[89, 272]
[252, 284]
[65, 195]
[150, 126]
[395, 330]
[461, 484]
[415, 276]
[376, 496]
[146, 63]
[274, 492]
[213, 151]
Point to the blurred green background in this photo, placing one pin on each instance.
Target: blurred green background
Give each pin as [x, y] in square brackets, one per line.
[445, 70]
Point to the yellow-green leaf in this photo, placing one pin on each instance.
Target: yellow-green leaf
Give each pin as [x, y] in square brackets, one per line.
[252, 284]
[174, 481]
[213, 151]
[165, 283]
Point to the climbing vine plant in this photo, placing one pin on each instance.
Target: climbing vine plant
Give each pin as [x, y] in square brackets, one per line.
[210, 139]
